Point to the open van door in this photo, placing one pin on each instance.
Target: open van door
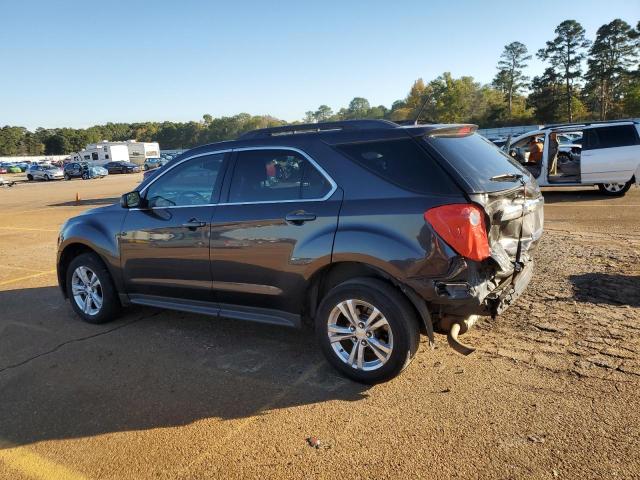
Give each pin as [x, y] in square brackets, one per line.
[610, 154]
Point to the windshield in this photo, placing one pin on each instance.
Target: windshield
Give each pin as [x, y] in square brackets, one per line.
[477, 160]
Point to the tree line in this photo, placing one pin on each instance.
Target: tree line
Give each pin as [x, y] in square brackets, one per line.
[583, 79]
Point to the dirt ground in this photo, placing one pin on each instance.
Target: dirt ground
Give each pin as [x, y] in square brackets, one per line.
[552, 391]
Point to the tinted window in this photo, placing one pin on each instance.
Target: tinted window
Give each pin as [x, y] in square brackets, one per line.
[610, 137]
[477, 160]
[190, 183]
[401, 162]
[275, 175]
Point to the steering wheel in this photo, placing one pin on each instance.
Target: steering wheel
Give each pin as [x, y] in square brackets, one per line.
[191, 198]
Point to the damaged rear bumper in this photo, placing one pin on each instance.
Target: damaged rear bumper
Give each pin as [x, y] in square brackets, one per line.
[476, 295]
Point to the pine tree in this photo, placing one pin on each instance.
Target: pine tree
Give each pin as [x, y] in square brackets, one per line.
[510, 78]
[565, 53]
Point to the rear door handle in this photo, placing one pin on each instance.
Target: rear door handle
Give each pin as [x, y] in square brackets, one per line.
[193, 224]
[298, 218]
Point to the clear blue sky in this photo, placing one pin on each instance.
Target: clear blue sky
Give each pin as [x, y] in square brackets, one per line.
[85, 62]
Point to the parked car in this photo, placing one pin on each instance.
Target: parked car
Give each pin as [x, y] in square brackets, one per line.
[371, 231]
[606, 154]
[22, 166]
[121, 167]
[14, 169]
[94, 171]
[44, 172]
[4, 170]
[75, 170]
[151, 163]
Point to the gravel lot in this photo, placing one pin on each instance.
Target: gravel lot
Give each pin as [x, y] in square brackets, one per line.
[552, 391]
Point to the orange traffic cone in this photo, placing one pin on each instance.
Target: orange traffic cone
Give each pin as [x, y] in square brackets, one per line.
[77, 198]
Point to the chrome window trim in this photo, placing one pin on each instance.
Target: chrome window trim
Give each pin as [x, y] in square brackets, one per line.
[322, 171]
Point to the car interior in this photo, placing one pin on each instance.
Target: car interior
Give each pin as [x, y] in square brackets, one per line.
[563, 165]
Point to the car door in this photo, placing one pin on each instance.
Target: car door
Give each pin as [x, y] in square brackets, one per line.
[276, 227]
[164, 245]
[609, 154]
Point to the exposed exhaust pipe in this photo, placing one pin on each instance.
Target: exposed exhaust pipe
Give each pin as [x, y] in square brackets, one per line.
[456, 329]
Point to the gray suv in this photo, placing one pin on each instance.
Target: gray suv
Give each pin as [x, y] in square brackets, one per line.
[369, 231]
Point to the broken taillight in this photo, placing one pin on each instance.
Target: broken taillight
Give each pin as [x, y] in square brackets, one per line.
[462, 226]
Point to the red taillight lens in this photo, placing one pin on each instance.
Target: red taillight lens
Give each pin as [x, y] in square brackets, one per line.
[462, 227]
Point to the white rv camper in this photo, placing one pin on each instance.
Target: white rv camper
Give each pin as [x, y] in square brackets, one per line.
[101, 153]
[140, 151]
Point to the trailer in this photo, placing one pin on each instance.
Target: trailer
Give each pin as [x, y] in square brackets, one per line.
[102, 153]
[141, 151]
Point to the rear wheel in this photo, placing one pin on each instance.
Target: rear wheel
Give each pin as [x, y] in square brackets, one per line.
[90, 288]
[367, 330]
[67, 176]
[615, 189]
[30, 177]
[46, 178]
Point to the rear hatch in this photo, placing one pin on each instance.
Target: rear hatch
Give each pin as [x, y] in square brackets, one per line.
[509, 195]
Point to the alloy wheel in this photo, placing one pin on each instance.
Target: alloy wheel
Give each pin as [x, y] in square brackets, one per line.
[87, 290]
[613, 187]
[360, 335]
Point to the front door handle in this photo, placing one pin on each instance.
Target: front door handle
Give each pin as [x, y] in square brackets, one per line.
[193, 224]
[299, 217]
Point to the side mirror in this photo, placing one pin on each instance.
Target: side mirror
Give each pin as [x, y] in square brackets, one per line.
[131, 200]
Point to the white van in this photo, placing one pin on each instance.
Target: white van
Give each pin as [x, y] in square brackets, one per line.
[606, 154]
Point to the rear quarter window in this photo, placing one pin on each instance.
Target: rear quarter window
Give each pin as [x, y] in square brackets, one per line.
[610, 137]
[401, 162]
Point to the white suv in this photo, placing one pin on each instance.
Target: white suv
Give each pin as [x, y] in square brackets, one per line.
[607, 155]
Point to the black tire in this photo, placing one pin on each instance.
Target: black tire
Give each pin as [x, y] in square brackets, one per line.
[29, 177]
[111, 305]
[397, 310]
[46, 178]
[67, 176]
[619, 193]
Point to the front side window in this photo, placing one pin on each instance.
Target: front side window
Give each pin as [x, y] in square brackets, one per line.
[191, 183]
[275, 175]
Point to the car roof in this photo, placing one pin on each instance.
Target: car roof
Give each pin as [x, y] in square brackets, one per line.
[297, 135]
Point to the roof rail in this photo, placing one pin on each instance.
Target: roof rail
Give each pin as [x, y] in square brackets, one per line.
[297, 129]
[591, 122]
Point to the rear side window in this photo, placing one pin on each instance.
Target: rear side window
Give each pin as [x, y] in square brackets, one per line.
[477, 160]
[272, 175]
[402, 162]
[610, 137]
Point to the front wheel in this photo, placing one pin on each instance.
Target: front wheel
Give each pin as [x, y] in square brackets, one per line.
[367, 330]
[91, 291]
[29, 177]
[46, 178]
[615, 189]
[67, 176]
